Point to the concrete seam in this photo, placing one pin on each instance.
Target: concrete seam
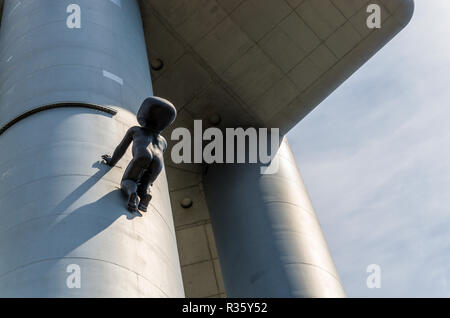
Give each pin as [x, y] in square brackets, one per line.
[191, 225]
[211, 257]
[337, 63]
[198, 59]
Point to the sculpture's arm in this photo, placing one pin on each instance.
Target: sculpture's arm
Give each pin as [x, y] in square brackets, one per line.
[120, 149]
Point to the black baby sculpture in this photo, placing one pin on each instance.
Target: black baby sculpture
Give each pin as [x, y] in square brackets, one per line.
[155, 114]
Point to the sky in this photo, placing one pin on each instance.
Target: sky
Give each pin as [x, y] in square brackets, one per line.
[375, 158]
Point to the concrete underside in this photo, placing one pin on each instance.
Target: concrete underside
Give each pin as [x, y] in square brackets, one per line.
[264, 63]
[261, 62]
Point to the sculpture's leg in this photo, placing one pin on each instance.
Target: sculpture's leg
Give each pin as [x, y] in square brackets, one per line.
[144, 192]
[134, 174]
[129, 188]
[146, 181]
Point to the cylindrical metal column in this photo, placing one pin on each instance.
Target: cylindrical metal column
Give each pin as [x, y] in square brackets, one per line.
[64, 228]
[268, 237]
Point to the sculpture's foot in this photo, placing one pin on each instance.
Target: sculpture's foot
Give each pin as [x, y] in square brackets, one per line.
[145, 200]
[132, 203]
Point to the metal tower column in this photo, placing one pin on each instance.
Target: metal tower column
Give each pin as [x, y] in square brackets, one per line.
[268, 237]
[64, 228]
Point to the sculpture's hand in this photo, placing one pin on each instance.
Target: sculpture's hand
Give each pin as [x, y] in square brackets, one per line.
[107, 159]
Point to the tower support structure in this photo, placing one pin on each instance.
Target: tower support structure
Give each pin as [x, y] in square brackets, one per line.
[268, 237]
[72, 77]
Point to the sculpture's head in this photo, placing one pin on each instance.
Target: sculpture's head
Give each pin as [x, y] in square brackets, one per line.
[156, 114]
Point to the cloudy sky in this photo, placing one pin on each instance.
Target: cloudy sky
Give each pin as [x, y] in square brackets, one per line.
[375, 157]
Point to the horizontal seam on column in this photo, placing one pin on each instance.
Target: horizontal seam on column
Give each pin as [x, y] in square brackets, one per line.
[157, 211]
[58, 176]
[85, 258]
[164, 220]
[240, 250]
[80, 175]
[57, 106]
[285, 178]
[319, 267]
[290, 203]
[304, 234]
[67, 214]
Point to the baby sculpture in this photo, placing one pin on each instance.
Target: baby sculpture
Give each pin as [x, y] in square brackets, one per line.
[155, 114]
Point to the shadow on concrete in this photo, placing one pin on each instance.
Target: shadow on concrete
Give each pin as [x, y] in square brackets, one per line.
[89, 220]
[63, 235]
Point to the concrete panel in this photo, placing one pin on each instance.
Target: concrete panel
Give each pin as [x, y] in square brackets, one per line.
[197, 25]
[294, 37]
[297, 74]
[323, 57]
[279, 95]
[168, 48]
[257, 17]
[183, 82]
[230, 38]
[343, 40]
[294, 3]
[199, 280]
[214, 100]
[252, 74]
[193, 245]
[229, 5]
[322, 16]
[195, 214]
